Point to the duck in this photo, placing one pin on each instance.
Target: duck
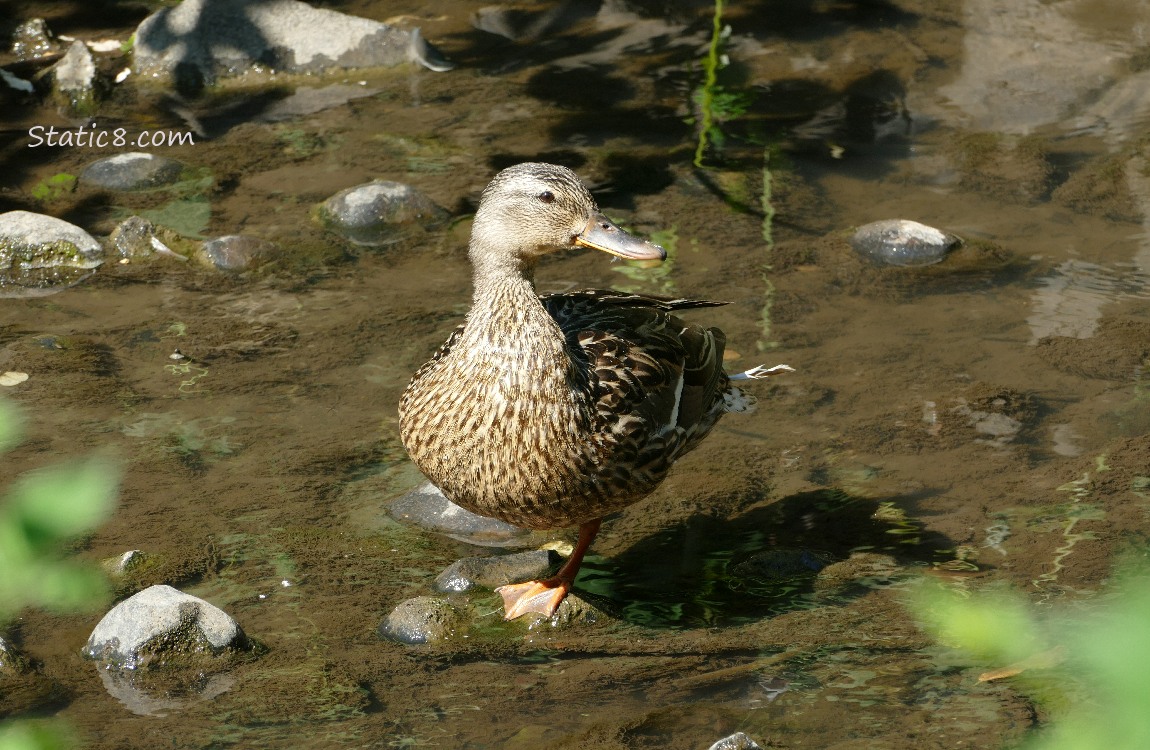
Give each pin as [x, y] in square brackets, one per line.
[554, 411]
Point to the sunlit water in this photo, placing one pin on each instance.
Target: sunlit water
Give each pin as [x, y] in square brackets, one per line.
[935, 418]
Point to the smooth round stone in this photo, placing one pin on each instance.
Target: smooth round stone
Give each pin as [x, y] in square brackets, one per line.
[490, 572]
[235, 252]
[380, 212]
[135, 170]
[160, 624]
[900, 242]
[41, 254]
[423, 619]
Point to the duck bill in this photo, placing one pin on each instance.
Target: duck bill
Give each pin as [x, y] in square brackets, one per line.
[602, 234]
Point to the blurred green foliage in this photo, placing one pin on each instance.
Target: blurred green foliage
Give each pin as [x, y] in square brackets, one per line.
[1086, 666]
[38, 515]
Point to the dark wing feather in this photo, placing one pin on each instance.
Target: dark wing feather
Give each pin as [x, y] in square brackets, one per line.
[635, 351]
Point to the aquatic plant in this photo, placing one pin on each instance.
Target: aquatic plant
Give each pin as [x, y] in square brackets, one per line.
[37, 516]
[1088, 668]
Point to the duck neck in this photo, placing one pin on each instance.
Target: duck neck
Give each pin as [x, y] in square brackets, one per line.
[506, 316]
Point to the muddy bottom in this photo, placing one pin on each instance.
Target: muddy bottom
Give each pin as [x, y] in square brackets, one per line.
[984, 421]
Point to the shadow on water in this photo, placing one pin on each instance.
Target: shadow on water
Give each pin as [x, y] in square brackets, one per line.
[712, 572]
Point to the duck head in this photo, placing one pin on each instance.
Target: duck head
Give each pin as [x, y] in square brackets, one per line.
[532, 209]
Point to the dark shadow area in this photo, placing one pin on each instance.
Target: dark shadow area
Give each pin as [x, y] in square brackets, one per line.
[712, 572]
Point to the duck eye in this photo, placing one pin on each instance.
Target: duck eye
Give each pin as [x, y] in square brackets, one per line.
[547, 196]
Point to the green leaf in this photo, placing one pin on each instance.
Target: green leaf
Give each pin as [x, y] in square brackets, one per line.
[60, 502]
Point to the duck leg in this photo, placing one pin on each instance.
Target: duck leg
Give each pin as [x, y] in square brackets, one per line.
[544, 596]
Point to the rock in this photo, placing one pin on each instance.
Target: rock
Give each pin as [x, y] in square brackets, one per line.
[869, 569]
[125, 563]
[780, 564]
[75, 76]
[132, 238]
[899, 242]
[200, 40]
[41, 255]
[162, 625]
[427, 507]
[380, 212]
[490, 572]
[12, 662]
[424, 619]
[737, 741]
[135, 170]
[33, 39]
[235, 252]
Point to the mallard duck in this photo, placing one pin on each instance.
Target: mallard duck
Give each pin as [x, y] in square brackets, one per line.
[552, 411]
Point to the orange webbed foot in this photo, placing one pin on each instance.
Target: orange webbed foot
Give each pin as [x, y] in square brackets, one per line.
[542, 597]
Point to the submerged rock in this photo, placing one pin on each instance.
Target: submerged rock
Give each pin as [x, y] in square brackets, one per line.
[41, 254]
[737, 741]
[899, 242]
[161, 625]
[75, 76]
[490, 572]
[427, 507]
[380, 212]
[132, 238]
[33, 39]
[12, 662]
[423, 619]
[135, 170]
[235, 252]
[200, 40]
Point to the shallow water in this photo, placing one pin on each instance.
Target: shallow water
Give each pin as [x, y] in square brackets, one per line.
[988, 418]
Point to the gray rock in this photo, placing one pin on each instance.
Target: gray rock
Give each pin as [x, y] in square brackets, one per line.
[41, 254]
[424, 619]
[161, 624]
[125, 563]
[202, 39]
[132, 238]
[135, 170]
[75, 76]
[33, 39]
[380, 212]
[899, 242]
[145, 696]
[235, 252]
[737, 741]
[427, 507]
[490, 572]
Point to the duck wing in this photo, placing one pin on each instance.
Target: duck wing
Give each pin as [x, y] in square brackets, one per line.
[652, 379]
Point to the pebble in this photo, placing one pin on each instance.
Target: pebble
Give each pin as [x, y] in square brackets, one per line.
[490, 572]
[380, 212]
[33, 39]
[422, 619]
[160, 624]
[132, 238]
[235, 252]
[12, 662]
[41, 254]
[900, 242]
[134, 170]
[737, 741]
[75, 76]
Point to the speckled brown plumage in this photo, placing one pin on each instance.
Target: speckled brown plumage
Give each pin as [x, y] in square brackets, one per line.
[548, 412]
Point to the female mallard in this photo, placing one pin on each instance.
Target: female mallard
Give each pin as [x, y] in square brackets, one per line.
[552, 411]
